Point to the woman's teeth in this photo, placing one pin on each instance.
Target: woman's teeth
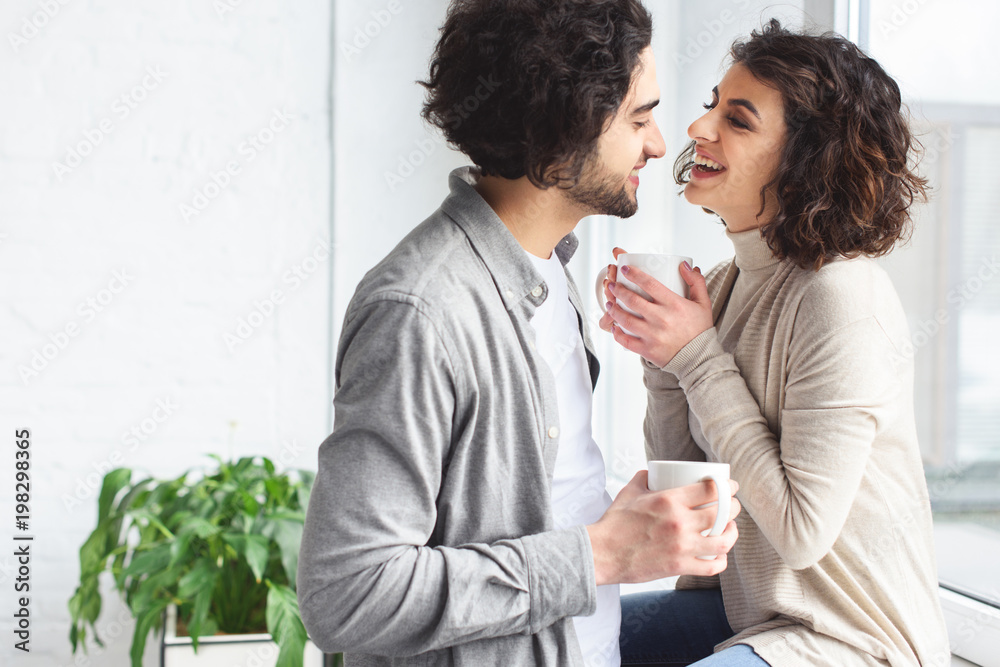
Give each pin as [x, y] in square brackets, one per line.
[707, 162]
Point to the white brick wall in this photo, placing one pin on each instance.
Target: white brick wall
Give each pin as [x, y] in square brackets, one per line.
[220, 77]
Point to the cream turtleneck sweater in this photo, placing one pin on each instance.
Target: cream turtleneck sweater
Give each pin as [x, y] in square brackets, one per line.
[805, 389]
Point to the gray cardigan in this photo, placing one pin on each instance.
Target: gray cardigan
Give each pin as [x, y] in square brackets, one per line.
[429, 537]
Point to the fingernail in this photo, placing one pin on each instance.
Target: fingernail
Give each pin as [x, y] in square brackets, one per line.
[626, 269]
[612, 285]
[687, 266]
[610, 305]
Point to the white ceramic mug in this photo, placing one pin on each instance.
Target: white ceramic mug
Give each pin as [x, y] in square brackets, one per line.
[664, 268]
[665, 475]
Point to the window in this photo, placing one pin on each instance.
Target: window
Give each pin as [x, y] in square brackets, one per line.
[948, 280]
[949, 283]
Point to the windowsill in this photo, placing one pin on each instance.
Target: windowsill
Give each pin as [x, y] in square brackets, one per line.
[973, 628]
[970, 590]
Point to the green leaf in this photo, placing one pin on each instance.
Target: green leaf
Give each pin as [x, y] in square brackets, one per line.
[250, 504]
[145, 622]
[285, 625]
[94, 553]
[201, 576]
[199, 582]
[203, 528]
[153, 587]
[149, 562]
[255, 548]
[85, 604]
[277, 492]
[84, 608]
[153, 521]
[136, 495]
[180, 546]
[287, 533]
[114, 482]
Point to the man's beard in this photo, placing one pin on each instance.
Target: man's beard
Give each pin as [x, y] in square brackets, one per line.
[599, 192]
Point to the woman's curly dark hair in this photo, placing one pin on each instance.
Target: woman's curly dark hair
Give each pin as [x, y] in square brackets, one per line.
[526, 87]
[846, 182]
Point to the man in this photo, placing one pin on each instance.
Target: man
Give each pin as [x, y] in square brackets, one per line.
[459, 515]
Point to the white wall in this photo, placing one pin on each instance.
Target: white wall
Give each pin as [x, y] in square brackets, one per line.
[391, 170]
[159, 336]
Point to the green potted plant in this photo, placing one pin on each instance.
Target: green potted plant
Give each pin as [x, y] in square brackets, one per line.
[221, 546]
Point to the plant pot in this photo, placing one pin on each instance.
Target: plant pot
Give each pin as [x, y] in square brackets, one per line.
[256, 650]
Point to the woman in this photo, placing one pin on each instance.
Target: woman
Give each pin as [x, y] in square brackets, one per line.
[788, 363]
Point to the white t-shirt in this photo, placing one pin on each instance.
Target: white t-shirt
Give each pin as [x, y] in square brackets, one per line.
[579, 496]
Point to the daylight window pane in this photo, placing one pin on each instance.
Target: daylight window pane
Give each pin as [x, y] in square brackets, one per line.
[978, 412]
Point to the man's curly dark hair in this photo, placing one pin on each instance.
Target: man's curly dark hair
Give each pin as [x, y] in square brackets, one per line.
[526, 87]
[846, 180]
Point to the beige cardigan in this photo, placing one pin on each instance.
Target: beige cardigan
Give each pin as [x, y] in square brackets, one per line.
[809, 397]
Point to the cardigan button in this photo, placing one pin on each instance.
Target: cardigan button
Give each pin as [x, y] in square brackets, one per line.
[537, 292]
[553, 432]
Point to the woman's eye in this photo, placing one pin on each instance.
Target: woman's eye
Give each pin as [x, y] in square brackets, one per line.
[641, 124]
[708, 106]
[736, 122]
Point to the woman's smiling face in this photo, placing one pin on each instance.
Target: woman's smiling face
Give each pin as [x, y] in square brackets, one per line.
[738, 145]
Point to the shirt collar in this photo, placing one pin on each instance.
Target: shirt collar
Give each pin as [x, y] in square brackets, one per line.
[515, 276]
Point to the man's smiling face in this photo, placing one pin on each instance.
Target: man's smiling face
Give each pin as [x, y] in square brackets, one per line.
[610, 177]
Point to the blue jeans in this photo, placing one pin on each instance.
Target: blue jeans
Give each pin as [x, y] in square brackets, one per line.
[670, 628]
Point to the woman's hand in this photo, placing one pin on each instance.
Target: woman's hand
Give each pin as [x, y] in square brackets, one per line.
[607, 321]
[664, 324]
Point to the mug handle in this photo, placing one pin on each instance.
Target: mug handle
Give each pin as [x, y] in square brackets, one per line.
[722, 516]
[599, 289]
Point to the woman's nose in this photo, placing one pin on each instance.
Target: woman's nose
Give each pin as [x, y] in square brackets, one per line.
[703, 128]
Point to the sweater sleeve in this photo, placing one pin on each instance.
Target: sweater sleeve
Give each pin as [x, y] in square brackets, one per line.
[666, 429]
[798, 485]
[369, 579]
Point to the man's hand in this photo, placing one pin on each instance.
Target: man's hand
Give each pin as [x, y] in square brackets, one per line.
[647, 535]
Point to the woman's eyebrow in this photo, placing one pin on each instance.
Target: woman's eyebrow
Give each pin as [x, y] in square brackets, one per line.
[739, 102]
